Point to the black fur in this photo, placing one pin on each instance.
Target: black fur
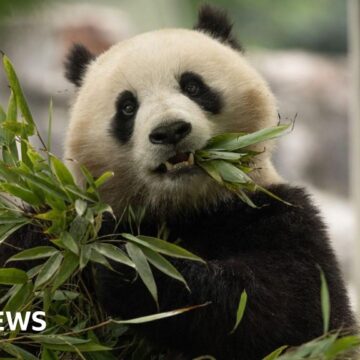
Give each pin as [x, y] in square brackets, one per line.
[216, 23]
[207, 98]
[76, 63]
[272, 252]
[122, 124]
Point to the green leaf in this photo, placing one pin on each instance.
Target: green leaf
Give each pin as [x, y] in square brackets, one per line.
[48, 269]
[206, 155]
[230, 173]
[163, 265]
[162, 247]
[2, 115]
[12, 117]
[143, 269]
[21, 193]
[67, 269]
[100, 259]
[209, 168]
[230, 142]
[17, 351]
[85, 253]
[63, 295]
[87, 347]
[11, 276]
[79, 193]
[103, 178]
[49, 355]
[69, 242]
[240, 310]
[8, 229]
[276, 353]
[45, 185]
[61, 171]
[114, 253]
[58, 339]
[38, 252]
[341, 345]
[325, 301]
[80, 207]
[159, 316]
[15, 86]
[19, 297]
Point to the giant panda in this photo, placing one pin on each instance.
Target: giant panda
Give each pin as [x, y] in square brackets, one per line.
[142, 109]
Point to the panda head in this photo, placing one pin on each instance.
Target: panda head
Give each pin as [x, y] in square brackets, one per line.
[148, 103]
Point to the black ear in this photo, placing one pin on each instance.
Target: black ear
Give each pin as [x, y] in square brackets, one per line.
[217, 24]
[76, 63]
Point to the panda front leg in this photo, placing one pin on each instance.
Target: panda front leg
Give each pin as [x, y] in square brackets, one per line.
[283, 304]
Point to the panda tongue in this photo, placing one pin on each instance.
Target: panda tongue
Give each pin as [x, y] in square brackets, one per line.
[178, 158]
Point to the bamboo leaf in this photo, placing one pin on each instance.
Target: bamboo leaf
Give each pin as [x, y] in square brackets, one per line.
[19, 297]
[80, 207]
[163, 265]
[8, 229]
[48, 269]
[143, 268]
[85, 253]
[240, 311]
[159, 316]
[99, 258]
[69, 242]
[22, 193]
[45, 185]
[114, 253]
[17, 351]
[38, 252]
[15, 86]
[230, 173]
[11, 276]
[276, 353]
[61, 171]
[230, 142]
[103, 178]
[162, 247]
[66, 270]
[87, 347]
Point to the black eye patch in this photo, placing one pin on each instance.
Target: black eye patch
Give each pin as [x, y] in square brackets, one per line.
[123, 122]
[193, 86]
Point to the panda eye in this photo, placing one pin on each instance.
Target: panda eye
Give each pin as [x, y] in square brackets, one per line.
[128, 108]
[192, 88]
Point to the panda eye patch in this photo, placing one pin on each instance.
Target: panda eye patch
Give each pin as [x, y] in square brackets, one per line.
[193, 86]
[126, 107]
[126, 103]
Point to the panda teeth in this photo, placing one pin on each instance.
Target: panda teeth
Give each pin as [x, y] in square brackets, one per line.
[191, 159]
[189, 162]
[169, 166]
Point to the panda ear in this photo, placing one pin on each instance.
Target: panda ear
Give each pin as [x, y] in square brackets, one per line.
[76, 63]
[216, 23]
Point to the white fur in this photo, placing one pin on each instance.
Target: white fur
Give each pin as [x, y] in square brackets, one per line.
[150, 66]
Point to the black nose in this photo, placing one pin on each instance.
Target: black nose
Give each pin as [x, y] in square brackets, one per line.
[171, 133]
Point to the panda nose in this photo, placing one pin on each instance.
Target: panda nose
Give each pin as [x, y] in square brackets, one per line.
[170, 134]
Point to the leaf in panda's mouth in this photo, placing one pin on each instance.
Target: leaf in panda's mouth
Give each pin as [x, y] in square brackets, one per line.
[228, 160]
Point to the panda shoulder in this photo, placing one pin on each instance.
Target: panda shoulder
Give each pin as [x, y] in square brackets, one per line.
[294, 217]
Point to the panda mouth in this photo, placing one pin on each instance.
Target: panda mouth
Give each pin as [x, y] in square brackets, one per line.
[178, 162]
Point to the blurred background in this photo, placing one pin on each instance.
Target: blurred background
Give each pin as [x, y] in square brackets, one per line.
[300, 47]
